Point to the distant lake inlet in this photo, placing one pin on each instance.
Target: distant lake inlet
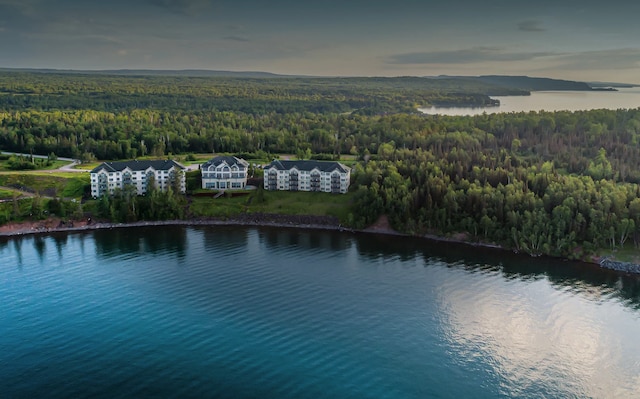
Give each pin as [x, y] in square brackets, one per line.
[624, 98]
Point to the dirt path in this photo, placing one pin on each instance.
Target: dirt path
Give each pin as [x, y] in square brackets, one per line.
[70, 168]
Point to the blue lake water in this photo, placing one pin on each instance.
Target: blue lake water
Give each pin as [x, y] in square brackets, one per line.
[625, 98]
[284, 313]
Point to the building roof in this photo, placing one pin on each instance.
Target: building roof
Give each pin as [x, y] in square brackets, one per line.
[229, 160]
[160, 164]
[308, 165]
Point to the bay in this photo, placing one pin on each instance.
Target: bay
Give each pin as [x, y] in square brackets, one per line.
[624, 98]
[286, 313]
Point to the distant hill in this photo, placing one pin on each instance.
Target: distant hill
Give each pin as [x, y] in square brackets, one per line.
[514, 83]
[156, 72]
[534, 84]
[612, 84]
[526, 83]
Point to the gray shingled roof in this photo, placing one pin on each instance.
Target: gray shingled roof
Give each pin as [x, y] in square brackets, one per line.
[308, 165]
[225, 158]
[161, 164]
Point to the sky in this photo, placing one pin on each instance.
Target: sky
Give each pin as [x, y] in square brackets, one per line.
[583, 40]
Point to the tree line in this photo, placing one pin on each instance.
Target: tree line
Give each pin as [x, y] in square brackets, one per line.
[533, 209]
[600, 143]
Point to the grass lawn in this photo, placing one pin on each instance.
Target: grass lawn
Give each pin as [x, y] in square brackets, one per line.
[63, 184]
[280, 202]
[4, 165]
[6, 194]
[304, 203]
[219, 207]
[88, 166]
[627, 254]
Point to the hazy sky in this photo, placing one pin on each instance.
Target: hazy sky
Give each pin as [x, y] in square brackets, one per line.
[572, 39]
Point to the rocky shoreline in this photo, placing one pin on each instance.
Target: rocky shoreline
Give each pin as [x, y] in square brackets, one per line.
[272, 220]
[625, 267]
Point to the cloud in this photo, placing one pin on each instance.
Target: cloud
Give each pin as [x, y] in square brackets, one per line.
[16, 3]
[530, 26]
[465, 56]
[19, 8]
[236, 39]
[181, 6]
[623, 58]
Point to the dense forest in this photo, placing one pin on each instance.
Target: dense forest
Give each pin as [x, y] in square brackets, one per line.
[115, 93]
[561, 183]
[571, 140]
[529, 208]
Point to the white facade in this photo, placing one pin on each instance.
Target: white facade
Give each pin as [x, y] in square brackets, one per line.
[329, 177]
[109, 176]
[225, 173]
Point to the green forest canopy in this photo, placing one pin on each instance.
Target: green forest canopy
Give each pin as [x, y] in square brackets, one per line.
[563, 183]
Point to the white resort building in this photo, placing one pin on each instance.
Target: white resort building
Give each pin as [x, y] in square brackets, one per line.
[225, 173]
[329, 177]
[111, 175]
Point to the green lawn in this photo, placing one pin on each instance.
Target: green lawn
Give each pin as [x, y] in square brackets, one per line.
[304, 203]
[6, 194]
[88, 166]
[627, 254]
[62, 184]
[280, 202]
[4, 165]
[219, 207]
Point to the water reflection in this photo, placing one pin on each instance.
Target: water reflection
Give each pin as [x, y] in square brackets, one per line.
[588, 279]
[279, 238]
[147, 240]
[540, 339]
[40, 247]
[528, 316]
[60, 241]
[285, 306]
[17, 246]
[224, 237]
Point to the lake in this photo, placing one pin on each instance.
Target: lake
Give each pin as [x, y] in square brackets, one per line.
[284, 313]
[625, 98]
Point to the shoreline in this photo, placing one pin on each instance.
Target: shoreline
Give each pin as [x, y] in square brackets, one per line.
[381, 227]
[50, 226]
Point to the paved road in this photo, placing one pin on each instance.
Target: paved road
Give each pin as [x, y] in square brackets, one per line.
[70, 167]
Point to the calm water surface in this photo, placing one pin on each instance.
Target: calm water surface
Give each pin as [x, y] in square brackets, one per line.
[283, 313]
[551, 101]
